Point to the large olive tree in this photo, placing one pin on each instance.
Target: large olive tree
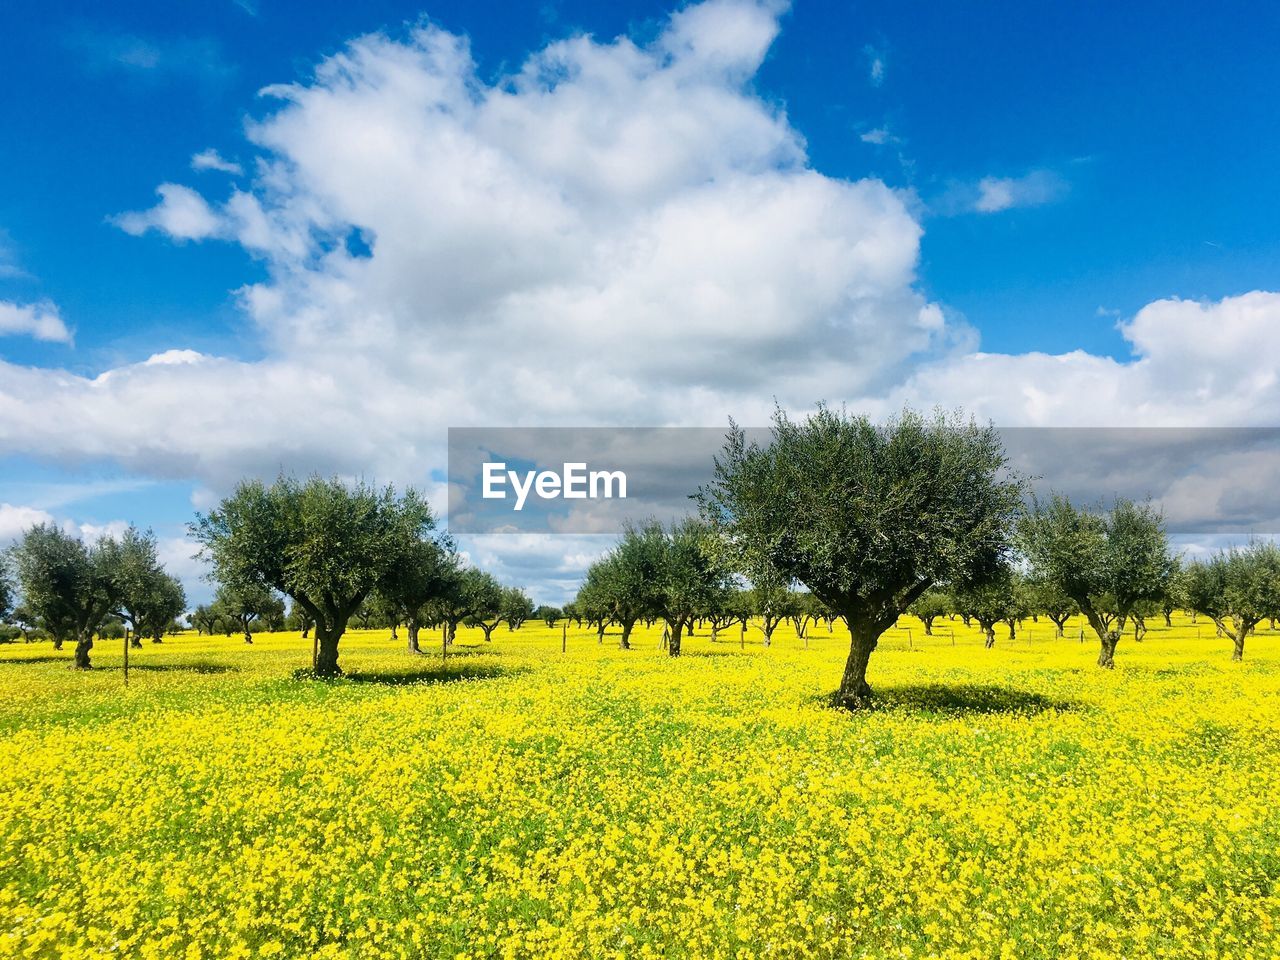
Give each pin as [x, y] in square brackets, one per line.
[867, 516]
[324, 543]
[1110, 562]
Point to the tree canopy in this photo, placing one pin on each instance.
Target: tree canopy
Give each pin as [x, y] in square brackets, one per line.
[867, 516]
[325, 544]
[1109, 562]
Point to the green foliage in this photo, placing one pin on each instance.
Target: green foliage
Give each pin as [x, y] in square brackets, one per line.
[246, 604]
[323, 543]
[6, 588]
[1109, 562]
[69, 586]
[867, 517]
[548, 614]
[1237, 589]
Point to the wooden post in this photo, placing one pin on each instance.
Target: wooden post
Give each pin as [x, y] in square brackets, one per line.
[444, 645]
[742, 637]
[909, 638]
[126, 658]
[564, 638]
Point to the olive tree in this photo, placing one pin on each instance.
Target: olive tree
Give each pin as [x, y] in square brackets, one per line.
[69, 585]
[623, 585]
[1110, 562]
[1236, 589]
[989, 601]
[426, 574]
[162, 604]
[931, 605]
[243, 603]
[6, 589]
[548, 614]
[323, 543]
[1047, 598]
[868, 517]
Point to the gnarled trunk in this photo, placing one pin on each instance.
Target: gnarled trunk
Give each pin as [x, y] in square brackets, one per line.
[412, 630]
[1107, 653]
[327, 652]
[989, 631]
[83, 646]
[625, 642]
[1238, 653]
[673, 642]
[854, 691]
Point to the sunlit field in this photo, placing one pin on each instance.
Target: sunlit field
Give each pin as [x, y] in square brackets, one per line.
[521, 801]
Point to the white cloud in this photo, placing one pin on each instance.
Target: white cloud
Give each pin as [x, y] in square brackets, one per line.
[639, 230]
[1031, 190]
[16, 520]
[39, 320]
[181, 213]
[1195, 363]
[876, 64]
[878, 137]
[212, 160]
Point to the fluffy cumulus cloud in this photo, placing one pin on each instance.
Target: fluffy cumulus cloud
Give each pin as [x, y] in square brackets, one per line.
[1194, 364]
[212, 160]
[17, 519]
[39, 320]
[614, 233]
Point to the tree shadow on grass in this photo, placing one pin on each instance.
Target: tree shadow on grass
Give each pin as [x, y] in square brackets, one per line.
[46, 658]
[181, 668]
[714, 653]
[945, 699]
[431, 674]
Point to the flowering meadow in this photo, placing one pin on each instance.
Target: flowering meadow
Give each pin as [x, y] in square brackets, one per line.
[520, 801]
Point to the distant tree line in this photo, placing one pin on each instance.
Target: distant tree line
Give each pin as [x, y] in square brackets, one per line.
[834, 518]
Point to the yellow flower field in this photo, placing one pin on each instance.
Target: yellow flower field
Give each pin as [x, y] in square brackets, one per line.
[523, 802]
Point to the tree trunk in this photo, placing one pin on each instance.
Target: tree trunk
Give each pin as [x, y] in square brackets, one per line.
[248, 637]
[600, 633]
[1107, 654]
[673, 643]
[1238, 653]
[83, 646]
[625, 642]
[412, 630]
[1168, 620]
[928, 626]
[1013, 633]
[989, 631]
[327, 652]
[854, 693]
[488, 629]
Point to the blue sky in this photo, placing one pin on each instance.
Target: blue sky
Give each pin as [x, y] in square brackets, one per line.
[1065, 167]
